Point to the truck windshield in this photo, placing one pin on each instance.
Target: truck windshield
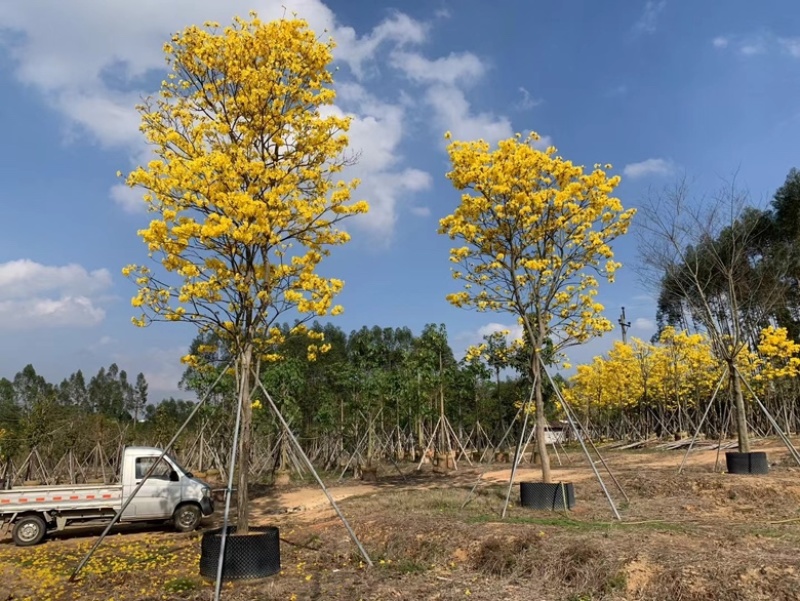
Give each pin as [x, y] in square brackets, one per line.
[177, 464]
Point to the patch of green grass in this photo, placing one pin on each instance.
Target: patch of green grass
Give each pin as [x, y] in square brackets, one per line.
[770, 531]
[181, 585]
[410, 566]
[560, 521]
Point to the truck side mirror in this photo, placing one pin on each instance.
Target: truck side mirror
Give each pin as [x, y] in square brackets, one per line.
[174, 477]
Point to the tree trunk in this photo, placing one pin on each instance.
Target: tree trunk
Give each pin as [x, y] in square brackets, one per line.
[741, 414]
[245, 437]
[541, 420]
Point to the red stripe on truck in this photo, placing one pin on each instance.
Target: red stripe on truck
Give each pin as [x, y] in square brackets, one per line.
[90, 496]
[106, 496]
[39, 499]
[23, 500]
[5, 501]
[57, 498]
[74, 498]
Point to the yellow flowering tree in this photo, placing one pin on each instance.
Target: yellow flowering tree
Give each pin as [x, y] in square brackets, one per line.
[245, 190]
[611, 386]
[780, 353]
[533, 233]
[685, 371]
[587, 389]
[623, 375]
[777, 369]
[672, 376]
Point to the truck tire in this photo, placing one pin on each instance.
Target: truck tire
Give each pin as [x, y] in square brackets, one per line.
[187, 517]
[29, 530]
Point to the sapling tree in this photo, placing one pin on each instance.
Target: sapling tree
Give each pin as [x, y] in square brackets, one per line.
[705, 256]
[533, 235]
[245, 189]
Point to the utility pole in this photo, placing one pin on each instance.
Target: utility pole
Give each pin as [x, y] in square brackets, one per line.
[624, 325]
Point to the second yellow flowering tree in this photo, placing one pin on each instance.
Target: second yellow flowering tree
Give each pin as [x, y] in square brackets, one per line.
[246, 195]
[533, 233]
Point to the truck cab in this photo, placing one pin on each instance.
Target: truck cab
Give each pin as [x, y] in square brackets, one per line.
[168, 486]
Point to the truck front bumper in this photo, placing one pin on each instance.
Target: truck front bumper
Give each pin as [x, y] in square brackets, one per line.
[207, 506]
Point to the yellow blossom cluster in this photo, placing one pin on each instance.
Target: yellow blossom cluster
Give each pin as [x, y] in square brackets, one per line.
[534, 233]
[780, 354]
[244, 182]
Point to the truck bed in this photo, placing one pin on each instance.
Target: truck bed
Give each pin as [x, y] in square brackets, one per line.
[61, 497]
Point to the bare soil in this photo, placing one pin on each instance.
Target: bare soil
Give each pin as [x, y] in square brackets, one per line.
[700, 535]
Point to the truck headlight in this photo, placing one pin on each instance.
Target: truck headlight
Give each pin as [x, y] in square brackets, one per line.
[206, 491]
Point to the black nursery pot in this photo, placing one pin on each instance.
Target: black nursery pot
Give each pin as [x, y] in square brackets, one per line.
[747, 463]
[247, 556]
[538, 495]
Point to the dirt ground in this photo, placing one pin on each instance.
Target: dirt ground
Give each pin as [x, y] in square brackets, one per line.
[700, 535]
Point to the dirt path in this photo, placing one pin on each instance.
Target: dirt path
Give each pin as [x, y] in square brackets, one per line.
[310, 502]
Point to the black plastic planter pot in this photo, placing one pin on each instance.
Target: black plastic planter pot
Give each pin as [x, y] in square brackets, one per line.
[247, 556]
[538, 495]
[747, 463]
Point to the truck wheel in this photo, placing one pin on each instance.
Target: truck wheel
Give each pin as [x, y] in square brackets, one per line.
[187, 518]
[28, 531]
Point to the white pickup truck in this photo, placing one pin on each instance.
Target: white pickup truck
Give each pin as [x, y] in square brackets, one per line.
[170, 493]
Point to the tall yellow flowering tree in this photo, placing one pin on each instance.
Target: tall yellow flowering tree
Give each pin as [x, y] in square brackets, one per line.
[533, 232]
[685, 371]
[245, 191]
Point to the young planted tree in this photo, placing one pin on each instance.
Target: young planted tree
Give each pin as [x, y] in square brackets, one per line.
[245, 190]
[534, 233]
[705, 256]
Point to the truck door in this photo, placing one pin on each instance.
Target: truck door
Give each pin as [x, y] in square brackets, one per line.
[159, 496]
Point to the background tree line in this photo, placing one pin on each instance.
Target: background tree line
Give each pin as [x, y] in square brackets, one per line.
[386, 381]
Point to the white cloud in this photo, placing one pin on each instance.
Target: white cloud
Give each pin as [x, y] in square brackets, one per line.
[452, 112]
[376, 132]
[384, 190]
[457, 68]
[111, 117]
[760, 43]
[128, 199]
[543, 142]
[103, 343]
[33, 295]
[648, 21]
[791, 46]
[66, 311]
[642, 324]
[657, 167]
[398, 28]
[446, 78]
[527, 102]
[720, 42]
[25, 278]
[752, 48]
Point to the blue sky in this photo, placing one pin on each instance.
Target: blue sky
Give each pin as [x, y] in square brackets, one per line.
[658, 88]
